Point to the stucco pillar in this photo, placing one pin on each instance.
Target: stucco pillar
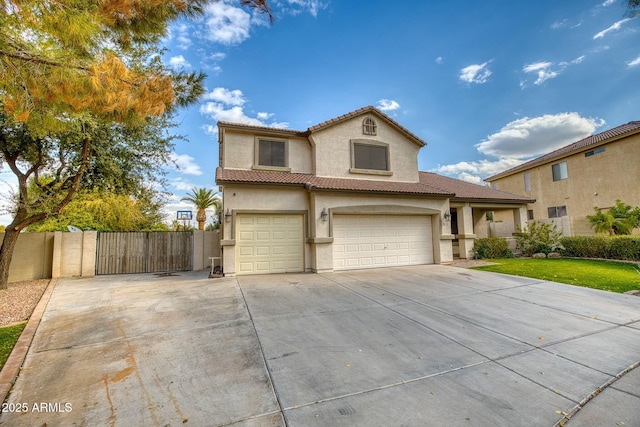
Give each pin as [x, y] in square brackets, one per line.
[89, 243]
[520, 219]
[465, 231]
[57, 255]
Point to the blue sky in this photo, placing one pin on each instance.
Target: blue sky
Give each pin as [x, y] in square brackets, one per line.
[486, 84]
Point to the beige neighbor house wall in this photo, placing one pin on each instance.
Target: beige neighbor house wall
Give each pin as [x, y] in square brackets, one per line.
[594, 180]
[31, 257]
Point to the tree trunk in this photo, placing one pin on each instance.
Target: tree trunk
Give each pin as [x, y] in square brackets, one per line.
[201, 217]
[6, 253]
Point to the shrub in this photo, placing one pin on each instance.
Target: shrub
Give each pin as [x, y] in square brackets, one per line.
[585, 246]
[539, 238]
[491, 247]
[622, 247]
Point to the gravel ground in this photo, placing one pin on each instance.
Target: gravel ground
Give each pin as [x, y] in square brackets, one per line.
[17, 302]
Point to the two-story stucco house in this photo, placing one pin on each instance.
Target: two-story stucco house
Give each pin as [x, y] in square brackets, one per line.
[569, 182]
[344, 194]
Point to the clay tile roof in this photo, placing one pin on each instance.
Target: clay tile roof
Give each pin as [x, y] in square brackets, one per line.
[583, 144]
[266, 129]
[312, 182]
[364, 110]
[471, 192]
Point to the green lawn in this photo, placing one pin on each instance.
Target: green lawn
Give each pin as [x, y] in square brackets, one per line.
[8, 338]
[605, 275]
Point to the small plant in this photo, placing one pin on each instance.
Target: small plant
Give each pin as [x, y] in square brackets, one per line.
[491, 248]
[619, 219]
[539, 238]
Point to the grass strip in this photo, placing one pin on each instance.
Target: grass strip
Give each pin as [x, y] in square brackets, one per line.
[8, 338]
[605, 275]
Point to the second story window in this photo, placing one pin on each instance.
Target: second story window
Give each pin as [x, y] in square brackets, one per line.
[559, 171]
[527, 181]
[372, 157]
[271, 153]
[369, 126]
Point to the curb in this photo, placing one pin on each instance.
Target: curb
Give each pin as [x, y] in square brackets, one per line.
[11, 368]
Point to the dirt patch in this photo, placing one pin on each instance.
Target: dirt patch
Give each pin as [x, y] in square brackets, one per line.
[19, 300]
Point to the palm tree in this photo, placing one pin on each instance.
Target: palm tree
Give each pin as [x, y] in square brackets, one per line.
[203, 199]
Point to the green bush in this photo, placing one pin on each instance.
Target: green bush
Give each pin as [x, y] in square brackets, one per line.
[620, 247]
[585, 246]
[491, 248]
[539, 238]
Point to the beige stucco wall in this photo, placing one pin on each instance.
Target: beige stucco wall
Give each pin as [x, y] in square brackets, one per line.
[597, 180]
[206, 244]
[239, 151]
[31, 257]
[318, 234]
[332, 151]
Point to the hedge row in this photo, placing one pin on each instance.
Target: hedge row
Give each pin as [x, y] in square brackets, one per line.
[491, 248]
[619, 247]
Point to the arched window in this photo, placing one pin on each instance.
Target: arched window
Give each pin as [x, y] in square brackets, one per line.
[369, 126]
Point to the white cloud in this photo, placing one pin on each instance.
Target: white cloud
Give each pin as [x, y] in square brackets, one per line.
[559, 24]
[388, 105]
[182, 184]
[542, 69]
[295, 7]
[179, 63]
[228, 106]
[226, 24]
[521, 140]
[186, 164]
[634, 62]
[226, 96]
[527, 137]
[439, 60]
[476, 73]
[545, 70]
[608, 3]
[616, 26]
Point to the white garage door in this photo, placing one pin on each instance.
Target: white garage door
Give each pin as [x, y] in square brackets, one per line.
[371, 241]
[269, 244]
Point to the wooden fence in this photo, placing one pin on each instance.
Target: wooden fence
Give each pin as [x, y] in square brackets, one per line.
[144, 252]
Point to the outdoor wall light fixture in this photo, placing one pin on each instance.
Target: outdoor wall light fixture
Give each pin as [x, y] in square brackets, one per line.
[324, 215]
[447, 215]
[227, 216]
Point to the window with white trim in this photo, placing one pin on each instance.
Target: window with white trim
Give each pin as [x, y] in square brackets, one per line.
[527, 182]
[559, 171]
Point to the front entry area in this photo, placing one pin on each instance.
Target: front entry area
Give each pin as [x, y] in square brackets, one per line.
[371, 241]
[270, 243]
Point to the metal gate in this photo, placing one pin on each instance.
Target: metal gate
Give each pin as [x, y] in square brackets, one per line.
[144, 252]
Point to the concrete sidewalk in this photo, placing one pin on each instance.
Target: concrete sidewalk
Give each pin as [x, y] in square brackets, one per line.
[424, 345]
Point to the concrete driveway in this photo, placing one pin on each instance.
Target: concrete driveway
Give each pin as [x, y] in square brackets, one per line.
[413, 346]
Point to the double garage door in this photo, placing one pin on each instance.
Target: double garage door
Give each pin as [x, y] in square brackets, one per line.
[372, 241]
[270, 243]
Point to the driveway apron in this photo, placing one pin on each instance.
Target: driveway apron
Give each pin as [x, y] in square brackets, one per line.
[411, 346]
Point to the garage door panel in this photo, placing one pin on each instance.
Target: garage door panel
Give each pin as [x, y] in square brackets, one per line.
[270, 243]
[367, 241]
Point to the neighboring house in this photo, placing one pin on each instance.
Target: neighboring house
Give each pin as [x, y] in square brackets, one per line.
[344, 194]
[569, 182]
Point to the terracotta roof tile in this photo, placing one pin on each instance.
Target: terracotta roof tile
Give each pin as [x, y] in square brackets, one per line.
[468, 191]
[629, 128]
[430, 184]
[312, 182]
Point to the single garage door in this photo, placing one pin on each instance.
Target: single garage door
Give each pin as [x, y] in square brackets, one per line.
[371, 241]
[269, 244]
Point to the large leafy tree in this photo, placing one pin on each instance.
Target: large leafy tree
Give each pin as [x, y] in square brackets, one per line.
[85, 99]
[203, 199]
[619, 219]
[107, 211]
